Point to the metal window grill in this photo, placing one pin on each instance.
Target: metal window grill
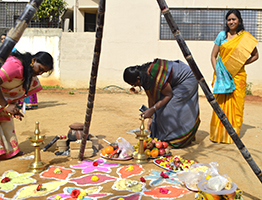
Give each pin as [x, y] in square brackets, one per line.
[205, 24]
[10, 11]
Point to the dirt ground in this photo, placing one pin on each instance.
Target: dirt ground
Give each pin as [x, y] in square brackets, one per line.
[115, 113]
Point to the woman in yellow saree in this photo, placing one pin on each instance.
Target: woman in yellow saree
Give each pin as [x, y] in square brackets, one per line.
[233, 49]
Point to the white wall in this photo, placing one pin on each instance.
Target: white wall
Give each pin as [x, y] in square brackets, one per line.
[41, 39]
[131, 36]
[76, 58]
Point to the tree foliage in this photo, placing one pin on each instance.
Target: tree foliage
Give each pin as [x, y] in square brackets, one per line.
[51, 8]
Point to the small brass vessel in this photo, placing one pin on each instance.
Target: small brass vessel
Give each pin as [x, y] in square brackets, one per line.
[140, 156]
[37, 165]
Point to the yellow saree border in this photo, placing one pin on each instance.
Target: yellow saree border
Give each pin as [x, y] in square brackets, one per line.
[235, 52]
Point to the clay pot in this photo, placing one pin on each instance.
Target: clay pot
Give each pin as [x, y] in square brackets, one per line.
[76, 131]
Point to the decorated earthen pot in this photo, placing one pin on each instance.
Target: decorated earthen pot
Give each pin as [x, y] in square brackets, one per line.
[76, 131]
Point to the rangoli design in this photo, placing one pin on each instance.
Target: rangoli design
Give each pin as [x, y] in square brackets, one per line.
[136, 196]
[157, 178]
[92, 179]
[87, 194]
[170, 192]
[2, 197]
[88, 166]
[59, 173]
[128, 171]
[30, 191]
[15, 179]
[129, 185]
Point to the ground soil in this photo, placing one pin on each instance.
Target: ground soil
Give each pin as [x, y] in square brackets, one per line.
[116, 112]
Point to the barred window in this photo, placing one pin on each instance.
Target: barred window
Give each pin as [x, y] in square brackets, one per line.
[10, 11]
[205, 24]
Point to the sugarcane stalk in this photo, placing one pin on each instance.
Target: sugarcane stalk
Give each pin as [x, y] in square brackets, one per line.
[209, 95]
[17, 31]
[92, 84]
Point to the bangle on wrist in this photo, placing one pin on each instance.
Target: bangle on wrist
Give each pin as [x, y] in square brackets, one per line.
[6, 106]
[154, 108]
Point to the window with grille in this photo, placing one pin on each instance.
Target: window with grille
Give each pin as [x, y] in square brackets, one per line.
[205, 24]
[10, 11]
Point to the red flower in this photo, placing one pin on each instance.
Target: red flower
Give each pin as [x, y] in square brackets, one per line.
[142, 179]
[95, 163]
[5, 180]
[163, 190]
[75, 193]
[39, 187]
[164, 175]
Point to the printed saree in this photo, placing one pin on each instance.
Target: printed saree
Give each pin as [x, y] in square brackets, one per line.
[234, 54]
[178, 120]
[12, 88]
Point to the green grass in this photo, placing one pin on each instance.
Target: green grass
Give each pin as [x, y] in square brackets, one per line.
[51, 87]
[248, 88]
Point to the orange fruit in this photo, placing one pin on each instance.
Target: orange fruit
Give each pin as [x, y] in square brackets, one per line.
[104, 151]
[144, 144]
[109, 149]
[154, 152]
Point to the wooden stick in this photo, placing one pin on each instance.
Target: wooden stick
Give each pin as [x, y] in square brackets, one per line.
[210, 97]
[17, 31]
[92, 84]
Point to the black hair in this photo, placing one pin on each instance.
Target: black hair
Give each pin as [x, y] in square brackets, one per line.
[3, 34]
[131, 73]
[238, 15]
[41, 57]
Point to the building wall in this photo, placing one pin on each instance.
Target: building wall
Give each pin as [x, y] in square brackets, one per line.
[130, 37]
[43, 39]
[76, 58]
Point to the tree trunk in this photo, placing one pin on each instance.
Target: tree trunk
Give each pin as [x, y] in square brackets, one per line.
[17, 31]
[210, 97]
[92, 84]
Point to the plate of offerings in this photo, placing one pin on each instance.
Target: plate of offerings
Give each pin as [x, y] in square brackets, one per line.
[165, 155]
[174, 163]
[116, 158]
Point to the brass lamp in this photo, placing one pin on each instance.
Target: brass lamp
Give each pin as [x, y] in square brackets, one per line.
[140, 156]
[37, 165]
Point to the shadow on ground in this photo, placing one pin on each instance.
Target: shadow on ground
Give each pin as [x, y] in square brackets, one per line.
[45, 104]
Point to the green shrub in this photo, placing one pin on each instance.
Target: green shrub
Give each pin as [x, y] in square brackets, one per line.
[248, 88]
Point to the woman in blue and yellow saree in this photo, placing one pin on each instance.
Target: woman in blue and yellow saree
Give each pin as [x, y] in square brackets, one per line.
[233, 49]
[172, 92]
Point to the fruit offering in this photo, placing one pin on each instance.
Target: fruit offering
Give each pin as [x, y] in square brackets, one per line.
[175, 163]
[153, 147]
[111, 151]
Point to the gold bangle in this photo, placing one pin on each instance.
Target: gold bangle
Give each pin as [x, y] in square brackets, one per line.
[6, 106]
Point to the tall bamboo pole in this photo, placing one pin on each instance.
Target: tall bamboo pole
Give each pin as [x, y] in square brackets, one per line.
[210, 97]
[17, 31]
[92, 84]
